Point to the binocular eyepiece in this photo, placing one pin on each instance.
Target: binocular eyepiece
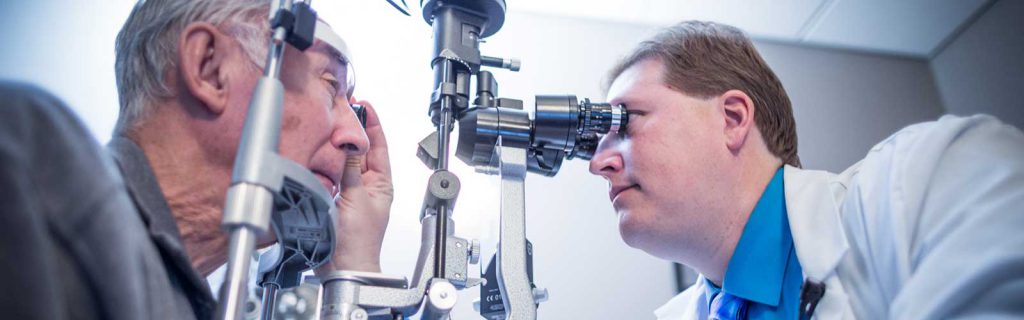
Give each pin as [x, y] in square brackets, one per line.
[563, 128]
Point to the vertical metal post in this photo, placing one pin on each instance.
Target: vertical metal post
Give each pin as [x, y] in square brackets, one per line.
[247, 211]
[232, 292]
[445, 123]
[269, 301]
[444, 139]
[513, 280]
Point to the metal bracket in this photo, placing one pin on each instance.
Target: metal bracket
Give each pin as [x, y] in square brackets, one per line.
[513, 281]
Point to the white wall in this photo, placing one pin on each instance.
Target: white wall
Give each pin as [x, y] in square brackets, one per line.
[982, 71]
[844, 103]
[66, 47]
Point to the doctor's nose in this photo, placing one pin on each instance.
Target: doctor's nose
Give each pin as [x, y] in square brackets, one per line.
[607, 159]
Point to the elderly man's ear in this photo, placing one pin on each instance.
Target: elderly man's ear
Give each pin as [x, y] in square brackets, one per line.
[203, 55]
[738, 109]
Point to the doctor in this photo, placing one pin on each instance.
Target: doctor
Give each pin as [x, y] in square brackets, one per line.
[928, 225]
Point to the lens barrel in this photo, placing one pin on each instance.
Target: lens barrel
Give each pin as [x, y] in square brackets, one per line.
[563, 127]
[575, 127]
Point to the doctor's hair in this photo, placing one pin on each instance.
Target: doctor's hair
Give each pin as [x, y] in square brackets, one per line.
[147, 46]
[705, 59]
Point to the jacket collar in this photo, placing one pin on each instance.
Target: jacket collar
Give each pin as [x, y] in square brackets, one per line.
[818, 236]
[145, 191]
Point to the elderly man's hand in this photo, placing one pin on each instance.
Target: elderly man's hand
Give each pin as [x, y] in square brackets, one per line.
[363, 205]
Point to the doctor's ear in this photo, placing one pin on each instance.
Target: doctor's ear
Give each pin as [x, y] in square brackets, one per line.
[202, 52]
[738, 109]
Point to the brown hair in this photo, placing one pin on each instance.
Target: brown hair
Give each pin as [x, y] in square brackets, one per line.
[705, 59]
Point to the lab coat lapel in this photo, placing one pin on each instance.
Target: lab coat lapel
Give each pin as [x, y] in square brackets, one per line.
[686, 305]
[818, 236]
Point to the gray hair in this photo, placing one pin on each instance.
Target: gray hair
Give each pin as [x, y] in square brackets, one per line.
[147, 46]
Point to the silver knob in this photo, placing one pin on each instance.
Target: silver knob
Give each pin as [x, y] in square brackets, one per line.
[540, 295]
[474, 251]
[441, 297]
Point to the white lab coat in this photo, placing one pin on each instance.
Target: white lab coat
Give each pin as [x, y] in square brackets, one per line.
[929, 225]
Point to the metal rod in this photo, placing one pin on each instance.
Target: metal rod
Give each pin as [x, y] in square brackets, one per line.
[243, 236]
[445, 123]
[510, 64]
[443, 137]
[241, 245]
[441, 235]
[276, 54]
[269, 300]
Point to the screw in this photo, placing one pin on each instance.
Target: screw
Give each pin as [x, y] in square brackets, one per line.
[444, 184]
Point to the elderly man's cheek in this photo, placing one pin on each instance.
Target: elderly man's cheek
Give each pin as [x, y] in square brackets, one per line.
[290, 122]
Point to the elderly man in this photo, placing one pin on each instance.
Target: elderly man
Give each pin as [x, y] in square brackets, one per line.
[927, 225]
[185, 74]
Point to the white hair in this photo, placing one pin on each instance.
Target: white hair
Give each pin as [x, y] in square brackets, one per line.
[147, 46]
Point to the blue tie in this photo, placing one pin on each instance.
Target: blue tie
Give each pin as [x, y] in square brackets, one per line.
[725, 306]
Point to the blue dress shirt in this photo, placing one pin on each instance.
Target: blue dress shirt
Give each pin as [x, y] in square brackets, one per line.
[764, 268]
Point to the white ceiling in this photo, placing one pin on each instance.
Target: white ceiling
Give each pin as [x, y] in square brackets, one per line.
[915, 28]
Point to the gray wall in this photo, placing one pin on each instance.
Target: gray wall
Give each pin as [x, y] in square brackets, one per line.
[845, 102]
[982, 71]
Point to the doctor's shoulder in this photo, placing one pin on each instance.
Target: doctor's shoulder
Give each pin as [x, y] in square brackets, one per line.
[925, 146]
[977, 150]
[937, 207]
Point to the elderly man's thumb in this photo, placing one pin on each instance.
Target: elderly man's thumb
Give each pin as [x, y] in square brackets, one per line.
[352, 175]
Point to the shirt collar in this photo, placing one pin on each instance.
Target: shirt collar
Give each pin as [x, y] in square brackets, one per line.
[758, 264]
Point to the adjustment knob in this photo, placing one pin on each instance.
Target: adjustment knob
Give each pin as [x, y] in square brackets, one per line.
[540, 295]
[474, 251]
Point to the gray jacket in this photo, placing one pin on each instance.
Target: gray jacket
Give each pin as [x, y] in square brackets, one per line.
[80, 239]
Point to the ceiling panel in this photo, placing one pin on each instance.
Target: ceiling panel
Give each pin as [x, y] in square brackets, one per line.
[905, 27]
[910, 27]
[766, 19]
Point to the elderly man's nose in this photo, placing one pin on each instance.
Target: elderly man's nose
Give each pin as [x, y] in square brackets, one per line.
[350, 137]
[354, 146]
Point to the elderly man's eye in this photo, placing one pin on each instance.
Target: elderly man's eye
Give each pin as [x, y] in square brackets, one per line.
[333, 84]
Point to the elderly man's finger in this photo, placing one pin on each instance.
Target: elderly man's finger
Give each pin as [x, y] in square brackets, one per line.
[377, 156]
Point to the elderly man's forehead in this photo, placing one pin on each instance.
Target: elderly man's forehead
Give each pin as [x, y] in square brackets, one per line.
[330, 42]
[333, 54]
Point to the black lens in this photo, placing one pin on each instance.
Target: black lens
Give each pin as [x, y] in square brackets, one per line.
[601, 118]
[596, 119]
[360, 113]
